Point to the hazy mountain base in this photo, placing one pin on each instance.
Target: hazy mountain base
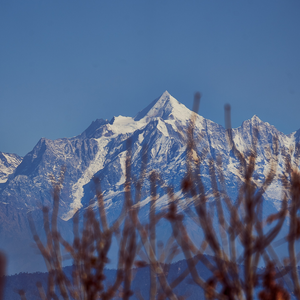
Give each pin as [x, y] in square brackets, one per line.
[140, 283]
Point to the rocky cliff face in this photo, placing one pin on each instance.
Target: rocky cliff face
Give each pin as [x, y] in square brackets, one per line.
[8, 164]
[159, 130]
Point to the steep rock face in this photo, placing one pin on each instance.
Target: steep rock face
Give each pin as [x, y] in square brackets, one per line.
[31, 183]
[8, 164]
[159, 133]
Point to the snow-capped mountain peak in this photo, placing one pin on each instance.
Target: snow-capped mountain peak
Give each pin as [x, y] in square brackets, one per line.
[255, 118]
[165, 107]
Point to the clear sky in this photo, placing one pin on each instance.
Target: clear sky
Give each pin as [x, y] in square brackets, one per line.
[65, 63]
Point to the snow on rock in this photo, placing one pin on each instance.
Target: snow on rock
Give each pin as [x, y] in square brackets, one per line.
[125, 125]
[95, 165]
[8, 164]
[162, 127]
[165, 107]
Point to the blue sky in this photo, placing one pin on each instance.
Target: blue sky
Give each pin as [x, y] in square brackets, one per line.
[64, 63]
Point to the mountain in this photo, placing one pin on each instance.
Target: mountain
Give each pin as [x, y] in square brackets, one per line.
[101, 151]
[140, 284]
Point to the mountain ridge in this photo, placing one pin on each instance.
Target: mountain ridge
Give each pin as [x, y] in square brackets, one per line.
[100, 151]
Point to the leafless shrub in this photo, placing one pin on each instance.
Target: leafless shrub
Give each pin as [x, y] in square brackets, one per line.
[247, 227]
